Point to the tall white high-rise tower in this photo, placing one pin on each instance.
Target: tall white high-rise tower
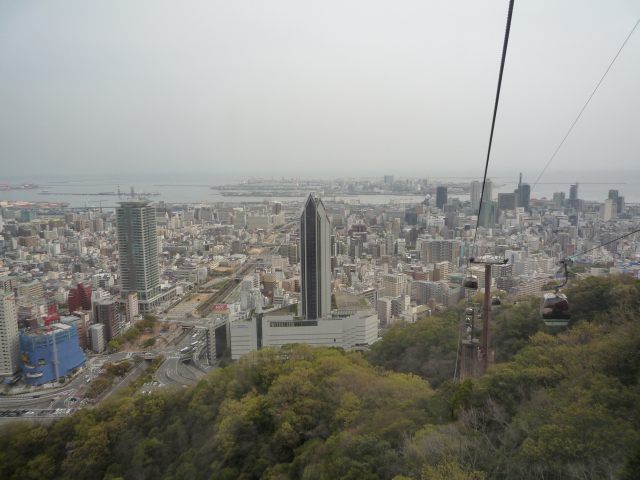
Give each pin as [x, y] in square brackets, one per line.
[138, 249]
[9, 339]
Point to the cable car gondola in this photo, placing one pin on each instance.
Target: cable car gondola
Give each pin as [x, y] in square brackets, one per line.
[555, 310]
[470, 282]
[555, 306]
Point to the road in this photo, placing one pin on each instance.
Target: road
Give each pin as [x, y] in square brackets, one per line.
[55, 398]
[45, 405]
[174, 371]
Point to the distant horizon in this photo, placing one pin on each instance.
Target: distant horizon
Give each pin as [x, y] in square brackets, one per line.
[190, 188]
[556, 177]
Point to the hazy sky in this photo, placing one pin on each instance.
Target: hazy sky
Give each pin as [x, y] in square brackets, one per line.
[296, 87]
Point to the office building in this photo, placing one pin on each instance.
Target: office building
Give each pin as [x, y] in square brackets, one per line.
[358, 330]
[79, 298]
[290, 251]
[609, 209]
[107, 312]
[7, 283]
[31, 293]
[433, 251]
[393, 284]
[9, 343]
[476, 192]
[486, 210]
[131, 307]
[96, 338]
[487, 214]
[488, 191]
[614, 195]
[442, 270]
[441, 196]
[573, 192]
[523, 195]
[82, 321]
[423, 291]
[507, 201]
[558, 199]
[138, 249]
[383, 309]
[400, 305]
[315, 256]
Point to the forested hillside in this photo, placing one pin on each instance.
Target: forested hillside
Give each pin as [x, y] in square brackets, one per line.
[556, 406]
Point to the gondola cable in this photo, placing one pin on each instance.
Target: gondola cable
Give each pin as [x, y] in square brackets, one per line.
[471, 281]
[495, 112]
[604, 244]
[584, 107]
[555, 307]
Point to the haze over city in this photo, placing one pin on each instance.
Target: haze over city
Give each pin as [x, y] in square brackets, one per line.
[314, 89]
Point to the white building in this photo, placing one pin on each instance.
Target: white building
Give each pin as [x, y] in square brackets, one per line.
[476, 192]
[383, 308]
[393, 284]
[96, 338]
[9, 339]
[131, 306]
[609, 209]
[138, 253]
[244, 337]
[357, 330]
[400, 305]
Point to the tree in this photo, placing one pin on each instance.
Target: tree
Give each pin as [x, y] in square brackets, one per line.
[561, 405]
[513, 325]
[426, 348]
[449, 469]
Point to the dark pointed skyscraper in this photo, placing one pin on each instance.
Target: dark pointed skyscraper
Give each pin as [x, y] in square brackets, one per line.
[315, 259]
[523, 195]
[441, 196]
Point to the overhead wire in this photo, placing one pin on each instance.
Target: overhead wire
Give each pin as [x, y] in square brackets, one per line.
[495, 112]
[604, 244]
[586, 104]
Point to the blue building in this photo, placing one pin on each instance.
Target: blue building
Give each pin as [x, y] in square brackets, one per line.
[49, 353]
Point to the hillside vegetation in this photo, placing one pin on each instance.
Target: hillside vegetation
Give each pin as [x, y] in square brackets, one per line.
[556, 406]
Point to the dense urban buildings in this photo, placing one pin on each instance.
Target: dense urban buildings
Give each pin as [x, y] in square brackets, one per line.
[254, 274]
